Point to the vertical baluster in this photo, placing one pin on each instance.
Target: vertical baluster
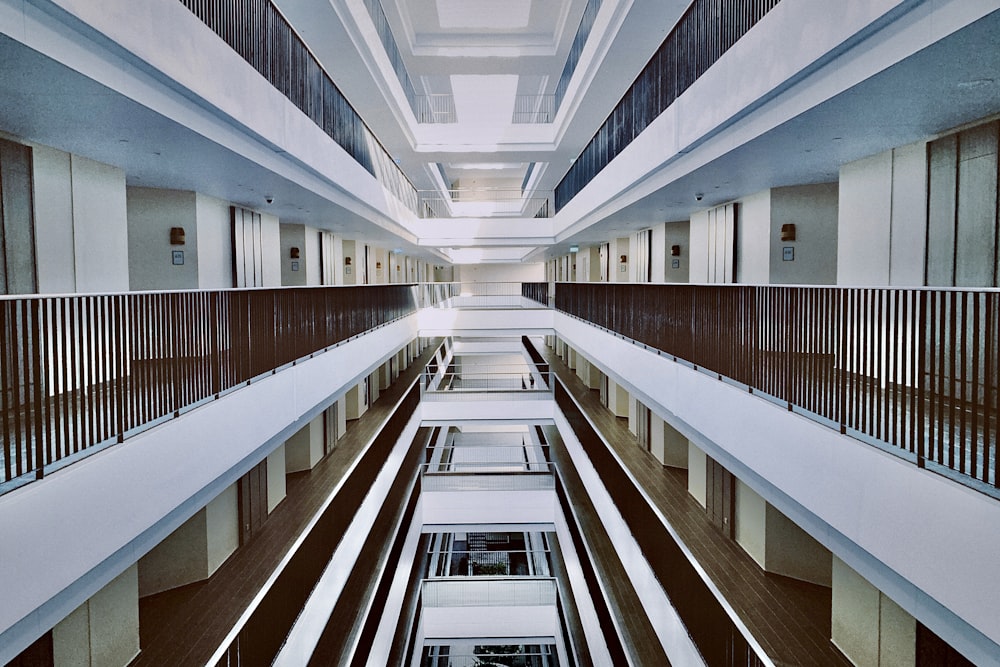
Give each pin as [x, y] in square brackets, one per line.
[952, 354]
[989, 376]
[34, 375]
[7, 391]
[970, 437]
[961, 377]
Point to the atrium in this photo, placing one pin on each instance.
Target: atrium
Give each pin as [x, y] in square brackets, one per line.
[499, 332]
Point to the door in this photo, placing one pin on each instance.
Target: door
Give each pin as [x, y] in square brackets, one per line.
[252, 501]
[720, 497]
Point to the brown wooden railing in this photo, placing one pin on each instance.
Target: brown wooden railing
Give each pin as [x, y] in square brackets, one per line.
[81, 371]
[536, 292]
[915, 369]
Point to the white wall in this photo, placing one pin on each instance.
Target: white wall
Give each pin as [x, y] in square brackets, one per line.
[215, 242]
[675, 233]
[908, 233]
[865, 207]
[80, 222]
[501, 273]
[100, 226]
[753, 262]
[311, 252]
[293, 236]
[270, 241]
[152, 213]
[53, 202]
[866, 220]
[813, 211]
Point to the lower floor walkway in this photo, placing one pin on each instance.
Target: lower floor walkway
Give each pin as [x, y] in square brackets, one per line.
[789, 618]
[185, 626]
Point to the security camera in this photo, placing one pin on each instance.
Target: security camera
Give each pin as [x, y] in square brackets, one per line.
[697, 197]
[270, 200]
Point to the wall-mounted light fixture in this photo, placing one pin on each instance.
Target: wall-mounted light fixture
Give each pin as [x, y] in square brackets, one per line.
[788, 232]
[347, 261]
[295, 253]
[675, 251]
[624, 259]
[378, 266]
[176, 236]
[574, 248]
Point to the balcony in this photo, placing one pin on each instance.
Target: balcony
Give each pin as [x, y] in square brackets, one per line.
[485, 203]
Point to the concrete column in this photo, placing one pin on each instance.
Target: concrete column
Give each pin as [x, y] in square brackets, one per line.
[656, 437]
[571, 358]
[275, 478]
[618, 399]
[870, 629]
[776, 543]
[675, 447]
[305, 448]
[697, 474]
[104, 630]
[195, 550]
[341, 417]
[357, 401]
[633, 412]
[385, 372]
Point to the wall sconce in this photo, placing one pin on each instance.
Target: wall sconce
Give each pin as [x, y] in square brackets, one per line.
[623, 259]
[295, 253]
[347, 261]
[675, 251]
[788, 232]
[176, 236]
[378, 266]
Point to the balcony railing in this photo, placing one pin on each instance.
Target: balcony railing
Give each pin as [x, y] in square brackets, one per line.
[915, 370]
[706, 30]
[489, 563]
[437, 108]
[491, 592]
[469, 382]
[529, 655]
[477, 295]
[537, 292]
[261, 35]
[485, 203]
[488, 476]
[533, 109]
[79, 372]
